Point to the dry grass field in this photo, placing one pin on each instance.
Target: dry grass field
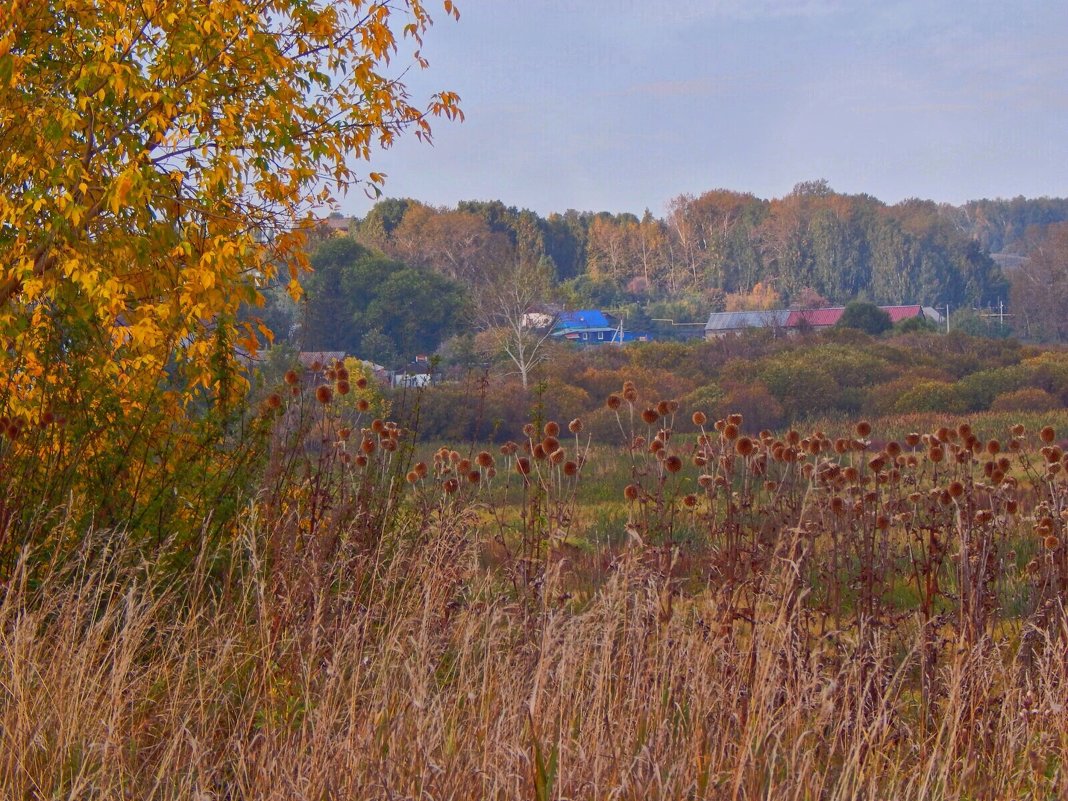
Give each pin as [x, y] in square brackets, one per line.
[800, 615]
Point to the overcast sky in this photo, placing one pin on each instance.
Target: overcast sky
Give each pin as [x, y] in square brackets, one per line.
[621, 105]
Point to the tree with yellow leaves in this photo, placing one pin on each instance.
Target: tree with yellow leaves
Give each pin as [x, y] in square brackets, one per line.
[161, 159]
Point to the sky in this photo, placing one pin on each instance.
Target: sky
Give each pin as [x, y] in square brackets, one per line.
[619, 105]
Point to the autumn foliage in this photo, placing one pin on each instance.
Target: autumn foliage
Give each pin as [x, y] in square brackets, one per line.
[161, 162]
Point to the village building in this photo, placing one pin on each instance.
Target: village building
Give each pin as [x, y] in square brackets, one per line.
[793, 321]
[593, 327]
[722, 323]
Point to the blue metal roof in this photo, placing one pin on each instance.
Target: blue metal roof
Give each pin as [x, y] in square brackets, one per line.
[583, 318]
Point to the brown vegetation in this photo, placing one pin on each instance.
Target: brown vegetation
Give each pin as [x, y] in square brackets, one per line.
[799, 615]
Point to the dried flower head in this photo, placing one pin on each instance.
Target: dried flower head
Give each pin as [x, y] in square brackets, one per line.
[274, 401]
[324, 394]
[1048, 434]
[575, 426]
[291, 377]
[650, 416]
[551, 429]
[613, 401]
[570, 469]
[522, 466]
[699, 418]
[673, 464]
[343, 387]
[744, 447]
[630, 492]
[863, 428]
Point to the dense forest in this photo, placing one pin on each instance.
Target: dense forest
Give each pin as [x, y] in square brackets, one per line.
[411, 275]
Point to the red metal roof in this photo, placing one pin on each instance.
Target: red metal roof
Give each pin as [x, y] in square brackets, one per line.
[899, 313]
[817, 318]
[823, 318]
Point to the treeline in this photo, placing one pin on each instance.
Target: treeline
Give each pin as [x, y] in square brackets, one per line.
[409, 276]
[812, 244]
[1007, 226]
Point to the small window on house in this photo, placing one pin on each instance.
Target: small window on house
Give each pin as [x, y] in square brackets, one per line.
[600, 334]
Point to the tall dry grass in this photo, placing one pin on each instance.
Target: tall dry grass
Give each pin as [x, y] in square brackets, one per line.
[409, 674]
[431, 648]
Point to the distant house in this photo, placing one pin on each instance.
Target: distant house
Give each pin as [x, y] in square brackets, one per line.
[414, 380]
[826, 318]
[795, 320]
[814, 319]
[722, 323]
[593, 327]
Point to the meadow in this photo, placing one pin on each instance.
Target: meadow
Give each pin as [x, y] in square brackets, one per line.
[875, 612]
